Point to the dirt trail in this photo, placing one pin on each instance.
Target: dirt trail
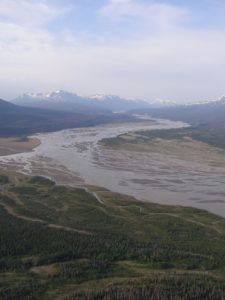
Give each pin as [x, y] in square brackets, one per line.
[28, 219]
[69, 229]
[94, 194]
[11, 195]
[190, 220]
[12, 213]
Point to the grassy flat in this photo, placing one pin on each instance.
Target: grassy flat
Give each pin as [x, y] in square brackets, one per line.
[17, 145]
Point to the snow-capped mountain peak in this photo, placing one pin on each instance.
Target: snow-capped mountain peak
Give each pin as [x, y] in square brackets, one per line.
[99, 97]
[59, 95]
[63, 100]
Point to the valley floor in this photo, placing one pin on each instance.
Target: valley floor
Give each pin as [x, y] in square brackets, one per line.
[153, 163]
[68, 243]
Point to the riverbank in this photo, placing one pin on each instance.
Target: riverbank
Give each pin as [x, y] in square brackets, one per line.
[172, 172]
[9, 146]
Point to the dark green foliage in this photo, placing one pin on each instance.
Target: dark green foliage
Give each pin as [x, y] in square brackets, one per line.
[41, 181]
[4, 179]
[24, 289]
[133, 253]
[158, 288]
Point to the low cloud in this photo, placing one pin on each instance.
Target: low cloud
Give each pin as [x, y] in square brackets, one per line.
[181, 62]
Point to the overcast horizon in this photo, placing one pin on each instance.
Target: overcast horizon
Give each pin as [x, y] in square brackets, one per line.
[166, 49]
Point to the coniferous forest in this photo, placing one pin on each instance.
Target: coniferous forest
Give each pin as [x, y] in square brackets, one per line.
[63, 243]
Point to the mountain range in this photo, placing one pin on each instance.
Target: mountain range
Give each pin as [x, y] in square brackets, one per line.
[61, 110]
[70, 102]
[19, 120]
[211, 112]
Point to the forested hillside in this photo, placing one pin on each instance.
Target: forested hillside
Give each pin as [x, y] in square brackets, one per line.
[64, 243]
[17, 120]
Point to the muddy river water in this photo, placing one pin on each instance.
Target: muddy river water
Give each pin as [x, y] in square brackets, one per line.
[74, 157]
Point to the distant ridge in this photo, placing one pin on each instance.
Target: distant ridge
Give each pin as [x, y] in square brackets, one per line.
[66, 101]
[208, 112]
[18, 120]
[4, 105]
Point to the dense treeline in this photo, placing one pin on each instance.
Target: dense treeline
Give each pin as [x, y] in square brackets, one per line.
[19, 238]
[4, 179]
[23, 290]
[164, 287]
[76, 244]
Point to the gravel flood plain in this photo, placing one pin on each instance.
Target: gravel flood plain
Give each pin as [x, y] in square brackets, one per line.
[186, 173]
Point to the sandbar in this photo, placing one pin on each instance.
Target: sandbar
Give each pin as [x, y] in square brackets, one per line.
[9, 146]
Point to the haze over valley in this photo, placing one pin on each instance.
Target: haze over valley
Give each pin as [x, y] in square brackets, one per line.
[112, 150]
[161, 158]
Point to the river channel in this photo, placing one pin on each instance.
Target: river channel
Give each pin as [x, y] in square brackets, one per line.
[74, 157]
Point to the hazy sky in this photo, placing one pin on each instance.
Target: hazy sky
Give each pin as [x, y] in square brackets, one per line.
[167, 49]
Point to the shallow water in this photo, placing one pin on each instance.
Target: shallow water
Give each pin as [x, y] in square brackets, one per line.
[74, 157]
